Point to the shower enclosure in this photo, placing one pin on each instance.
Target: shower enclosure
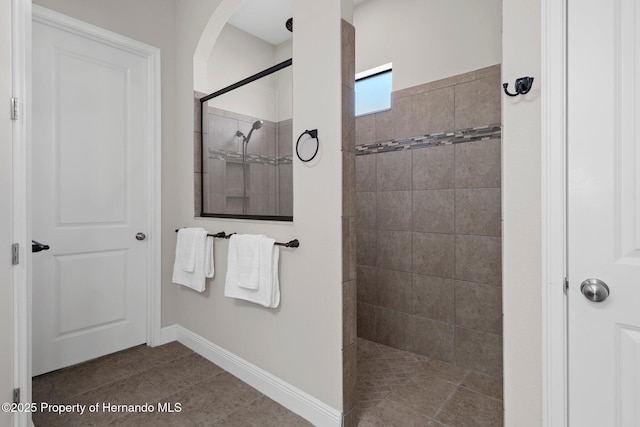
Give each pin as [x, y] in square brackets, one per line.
[429, 284]
[246, 148]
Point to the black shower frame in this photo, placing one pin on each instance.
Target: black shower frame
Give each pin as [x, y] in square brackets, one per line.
[204, 99]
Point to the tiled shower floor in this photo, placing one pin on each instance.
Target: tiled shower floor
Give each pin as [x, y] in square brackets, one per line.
[396, 388]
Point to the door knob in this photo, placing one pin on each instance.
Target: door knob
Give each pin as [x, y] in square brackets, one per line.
[141, 236]
[595, 290]
[37, 246]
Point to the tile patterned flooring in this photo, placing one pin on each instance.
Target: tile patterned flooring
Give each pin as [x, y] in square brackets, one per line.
[396, 388]
[171, 374]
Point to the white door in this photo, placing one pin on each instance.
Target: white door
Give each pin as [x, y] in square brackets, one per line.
[6, 219]
[90, 185]
[604, 211]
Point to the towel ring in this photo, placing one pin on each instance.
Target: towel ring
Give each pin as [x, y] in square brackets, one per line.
[308, 148]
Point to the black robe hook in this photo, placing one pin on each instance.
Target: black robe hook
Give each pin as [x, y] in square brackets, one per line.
[523, 86]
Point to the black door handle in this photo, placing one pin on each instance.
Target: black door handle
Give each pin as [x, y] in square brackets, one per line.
[37, 246]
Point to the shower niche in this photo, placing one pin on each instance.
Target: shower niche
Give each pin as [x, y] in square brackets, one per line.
[246, 125]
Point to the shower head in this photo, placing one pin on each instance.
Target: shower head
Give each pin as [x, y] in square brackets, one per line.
[255, 126]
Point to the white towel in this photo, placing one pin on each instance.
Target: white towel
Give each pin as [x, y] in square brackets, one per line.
[267, 291]
[244, 260]
[192, 270]
[186, 248]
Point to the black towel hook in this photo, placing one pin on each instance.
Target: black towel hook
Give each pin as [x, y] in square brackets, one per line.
[523, 86]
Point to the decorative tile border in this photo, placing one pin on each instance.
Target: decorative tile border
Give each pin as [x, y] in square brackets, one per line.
[285, 160]
[431, 140]
[235, 157]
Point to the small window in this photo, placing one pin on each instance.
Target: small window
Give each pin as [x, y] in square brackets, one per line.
[373, 90]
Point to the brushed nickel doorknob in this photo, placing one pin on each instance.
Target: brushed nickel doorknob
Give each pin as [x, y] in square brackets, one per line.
[595, 290]
[141, 236]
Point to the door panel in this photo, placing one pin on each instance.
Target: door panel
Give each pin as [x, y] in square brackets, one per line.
[91, 105]
[627, 374]
[90, 290]
[604, 211]
[89, 197]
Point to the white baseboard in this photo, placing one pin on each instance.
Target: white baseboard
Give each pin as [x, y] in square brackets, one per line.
[168, 334]
[313, 410]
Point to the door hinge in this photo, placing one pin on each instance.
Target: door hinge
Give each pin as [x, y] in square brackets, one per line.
[566, 285]
[16, 395]
[15, 253]
[15, 108]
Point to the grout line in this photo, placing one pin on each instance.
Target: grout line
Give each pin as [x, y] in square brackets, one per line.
[170, 395]
[455, 261]
[454, 107]
[404, 230]
[455, 325]
[124, 414]
[445, 403]
[427, 275]
[73, 396]
[481, 394]
[191, 352]
[240, 408]
[190, 419]
[412, 342]
[430, 189]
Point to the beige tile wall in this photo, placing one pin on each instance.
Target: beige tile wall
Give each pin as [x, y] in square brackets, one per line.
[349, 292]
[428, 226]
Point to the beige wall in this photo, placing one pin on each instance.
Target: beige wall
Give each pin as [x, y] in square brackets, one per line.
[521, 209]
[285, 77]
[300, 342]
[237, 55]
[427, 40]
